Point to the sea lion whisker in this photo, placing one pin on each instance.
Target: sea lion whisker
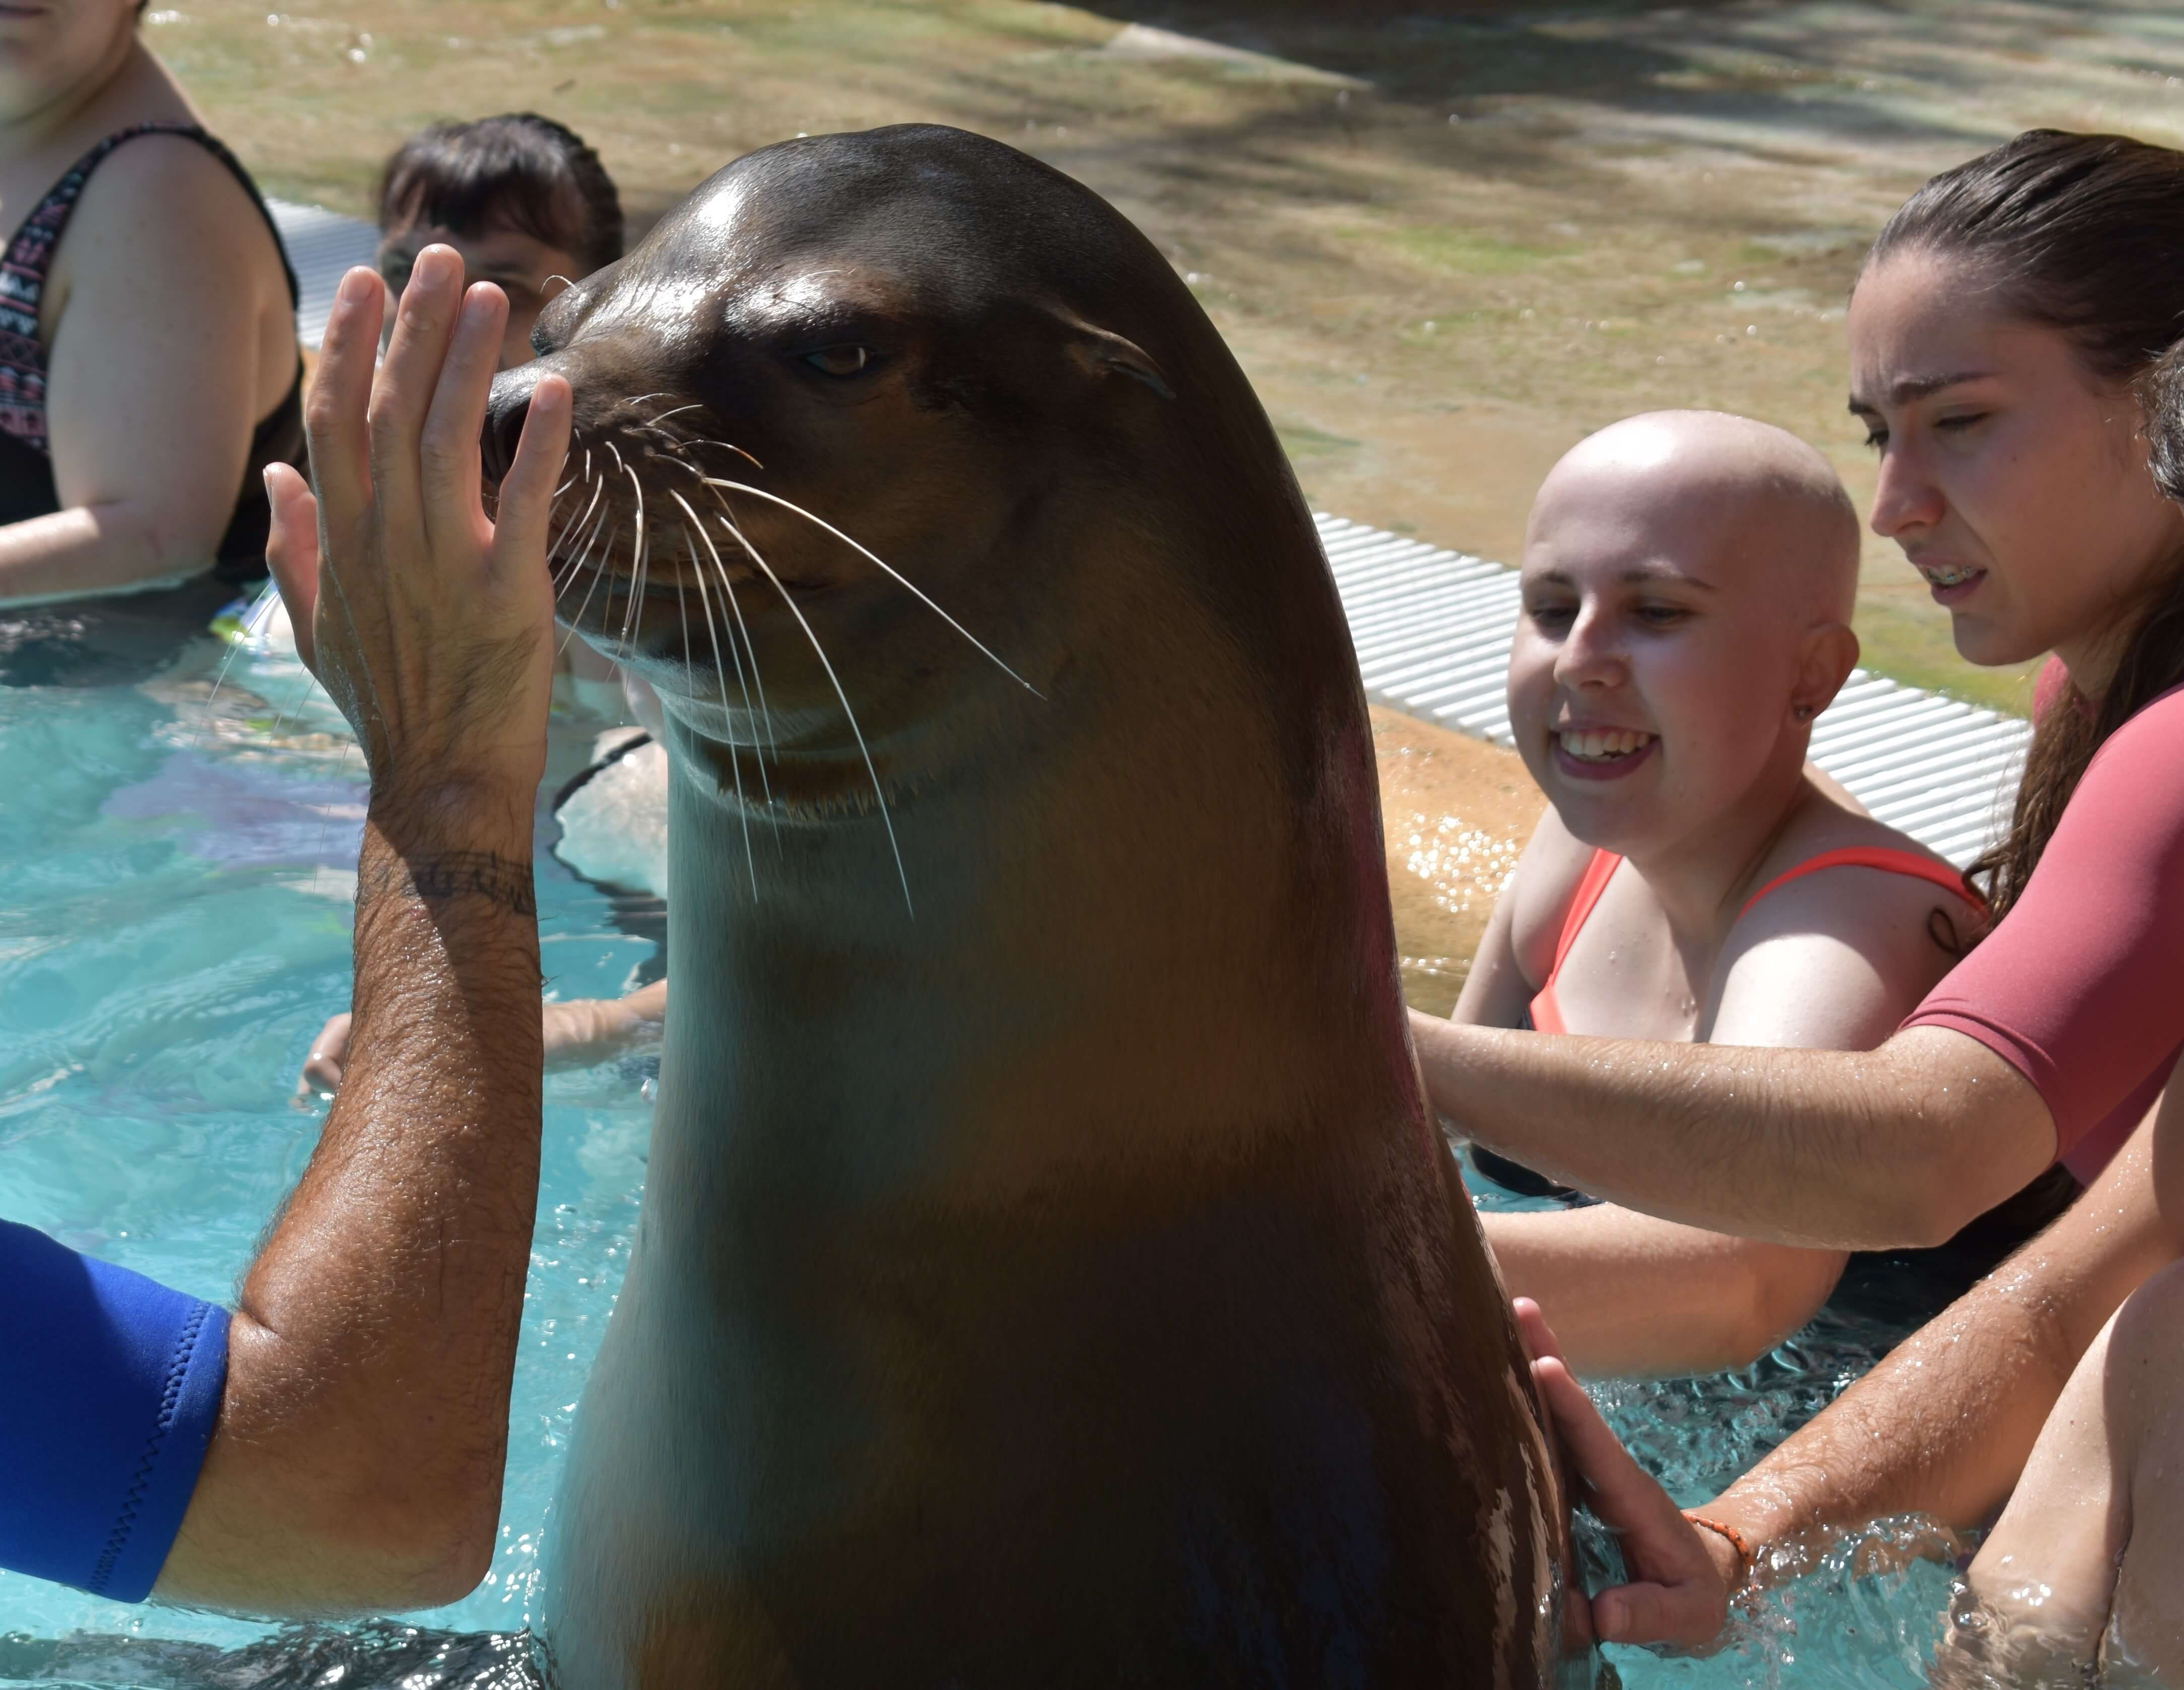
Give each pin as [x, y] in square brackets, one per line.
[892, 573]
[583, 554]
[637, 560]
[574, 529]
[721, 677]
[588, 592]
[728, 591]
[726, 445]
[560, 531]
[879, 793]
[727, 586]
[677, 412]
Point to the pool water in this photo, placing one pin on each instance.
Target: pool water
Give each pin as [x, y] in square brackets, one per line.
[176, 866]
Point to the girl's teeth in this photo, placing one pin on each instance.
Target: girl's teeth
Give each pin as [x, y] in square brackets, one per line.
[1949, 577]
[1598, 745]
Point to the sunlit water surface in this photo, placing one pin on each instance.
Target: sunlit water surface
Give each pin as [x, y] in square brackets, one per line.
[175, 874]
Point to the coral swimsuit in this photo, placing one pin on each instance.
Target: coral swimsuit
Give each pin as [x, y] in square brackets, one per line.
[1546, 1016]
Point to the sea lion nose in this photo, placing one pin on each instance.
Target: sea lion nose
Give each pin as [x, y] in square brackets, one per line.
[505, 408]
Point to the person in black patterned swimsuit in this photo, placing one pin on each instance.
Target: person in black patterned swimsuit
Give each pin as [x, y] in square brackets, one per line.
[148, 365]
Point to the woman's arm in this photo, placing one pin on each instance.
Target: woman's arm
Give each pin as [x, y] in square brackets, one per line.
[2047, 1574]
[1831, 1149]
[578, 1034]
[1517, 950]
[1943, 1427]
[1632, 1297]
[156, 374]
[589, 1030]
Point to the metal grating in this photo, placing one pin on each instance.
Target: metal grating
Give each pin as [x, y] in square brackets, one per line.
[1432, 629]
[321, 245]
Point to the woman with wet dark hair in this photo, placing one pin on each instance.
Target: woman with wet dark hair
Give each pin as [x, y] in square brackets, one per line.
[2009, 333]
[521, 197]
[148, 365]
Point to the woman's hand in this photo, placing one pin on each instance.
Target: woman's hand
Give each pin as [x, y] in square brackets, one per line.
[1682, 1573]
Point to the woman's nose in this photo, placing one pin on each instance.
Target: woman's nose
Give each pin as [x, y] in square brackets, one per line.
[1905, 498]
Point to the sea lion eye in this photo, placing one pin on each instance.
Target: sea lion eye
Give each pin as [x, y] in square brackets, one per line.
[839, 360]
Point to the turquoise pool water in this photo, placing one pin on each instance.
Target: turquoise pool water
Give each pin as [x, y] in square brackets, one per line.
[176, 871]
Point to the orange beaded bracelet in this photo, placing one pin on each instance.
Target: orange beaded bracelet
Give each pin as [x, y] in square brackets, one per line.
[1744, 1558]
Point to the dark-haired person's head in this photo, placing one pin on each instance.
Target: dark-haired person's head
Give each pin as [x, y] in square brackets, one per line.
[2003, 334]
[521, 196]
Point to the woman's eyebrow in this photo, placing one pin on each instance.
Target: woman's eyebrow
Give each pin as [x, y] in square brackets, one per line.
[1915, 388]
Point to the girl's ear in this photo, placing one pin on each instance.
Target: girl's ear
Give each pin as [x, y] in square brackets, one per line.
[1830, 653]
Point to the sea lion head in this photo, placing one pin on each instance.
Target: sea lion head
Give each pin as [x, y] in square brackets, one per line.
[908, 398]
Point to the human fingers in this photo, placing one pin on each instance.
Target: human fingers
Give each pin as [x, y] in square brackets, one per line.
[1538, 1337]
[1681, 1596]
[448, 447]
[409, 375]
[1624, 1495]
[340, 393]
[291, 550]
[322, 1069]
[1682, 1615]
[521, 529]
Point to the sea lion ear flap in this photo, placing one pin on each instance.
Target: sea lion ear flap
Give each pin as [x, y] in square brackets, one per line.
[1104, 353]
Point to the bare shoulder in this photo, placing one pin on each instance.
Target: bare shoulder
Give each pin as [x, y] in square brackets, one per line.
[1902, 919]
[170, 198]
[1540, 893]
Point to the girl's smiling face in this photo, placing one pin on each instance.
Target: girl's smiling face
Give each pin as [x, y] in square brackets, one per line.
[2014, 479]
[1678, 616]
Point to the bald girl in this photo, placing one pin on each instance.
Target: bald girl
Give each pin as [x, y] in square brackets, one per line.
[1688, 581]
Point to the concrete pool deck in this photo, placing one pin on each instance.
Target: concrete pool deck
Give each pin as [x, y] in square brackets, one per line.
[1432, 629]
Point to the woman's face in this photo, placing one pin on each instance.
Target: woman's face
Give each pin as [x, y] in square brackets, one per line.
[523, 266]
[2014, 480]
[54, 50]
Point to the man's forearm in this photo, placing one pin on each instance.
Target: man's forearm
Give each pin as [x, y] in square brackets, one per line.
[1828, 1149]
[365, 1424]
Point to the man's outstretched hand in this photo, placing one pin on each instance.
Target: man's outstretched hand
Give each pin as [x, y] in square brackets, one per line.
[1681, 1574]
[363, 1426]
[430, 624]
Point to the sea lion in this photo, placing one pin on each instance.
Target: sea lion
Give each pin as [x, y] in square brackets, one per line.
[1048, 1272]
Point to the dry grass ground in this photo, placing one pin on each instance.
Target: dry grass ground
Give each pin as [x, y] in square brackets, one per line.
[1444, 248]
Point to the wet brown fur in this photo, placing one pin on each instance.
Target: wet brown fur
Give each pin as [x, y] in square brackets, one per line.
[1015, 1304]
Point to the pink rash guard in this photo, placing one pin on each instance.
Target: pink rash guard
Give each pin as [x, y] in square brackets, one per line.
[2081, 986]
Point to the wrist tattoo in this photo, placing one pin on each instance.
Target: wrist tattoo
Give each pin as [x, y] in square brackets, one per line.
[449, 875]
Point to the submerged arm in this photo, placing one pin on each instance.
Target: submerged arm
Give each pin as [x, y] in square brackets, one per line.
[1630, 1296]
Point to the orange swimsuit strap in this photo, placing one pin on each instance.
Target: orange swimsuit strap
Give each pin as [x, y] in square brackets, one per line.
[1547, 1011]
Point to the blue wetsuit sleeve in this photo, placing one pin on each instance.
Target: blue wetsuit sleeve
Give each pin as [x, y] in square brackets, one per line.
[109, 1385]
